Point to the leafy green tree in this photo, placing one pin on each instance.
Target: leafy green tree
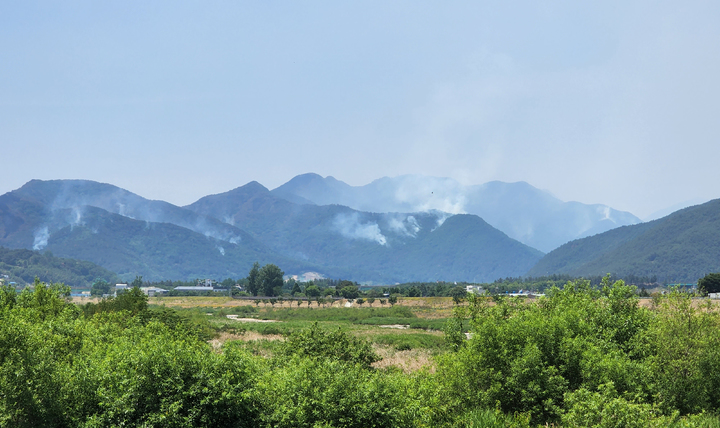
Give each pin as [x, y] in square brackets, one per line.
[312, 291]
[137, 282]
[254, 279]
[525, 357]
[270, 277]
[458, 294]
[360, 301]
[710, 283]
[133, 300]
[315, 342]
[392, 300]
[414, 292]
[295, 288]
[100, 287]
[150, 376]
[324, 393]
[350, 292]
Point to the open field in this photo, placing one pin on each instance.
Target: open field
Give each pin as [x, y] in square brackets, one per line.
[405, 336]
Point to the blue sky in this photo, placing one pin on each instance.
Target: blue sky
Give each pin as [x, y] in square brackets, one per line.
[614, 103]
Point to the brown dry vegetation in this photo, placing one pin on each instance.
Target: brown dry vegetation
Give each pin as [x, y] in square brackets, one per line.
[408, 361]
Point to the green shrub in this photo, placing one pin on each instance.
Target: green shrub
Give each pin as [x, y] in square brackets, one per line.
[606, 409]
[312, 392]
[406, 341]
[150, 376]
[315, 342]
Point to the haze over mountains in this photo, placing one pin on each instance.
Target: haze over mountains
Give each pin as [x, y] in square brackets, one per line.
[222, 235]
[525, 213]
[392, 230]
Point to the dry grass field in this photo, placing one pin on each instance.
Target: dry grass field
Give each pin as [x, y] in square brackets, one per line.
[397, 344]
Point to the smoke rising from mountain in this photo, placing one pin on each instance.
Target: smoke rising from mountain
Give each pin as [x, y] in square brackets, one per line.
[41, 238]
[77, 215]
[349, 226]
[403, 225]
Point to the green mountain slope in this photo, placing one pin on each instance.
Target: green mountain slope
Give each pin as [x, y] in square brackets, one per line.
[681, 247]
[222, 235]
[22, 266]
[157, 250]
[46, 215]
[56, 195]
[381, 247]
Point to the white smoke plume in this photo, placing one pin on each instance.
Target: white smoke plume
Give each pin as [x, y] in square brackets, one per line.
[41, 238]
[221, 249]
[349, 226]
[77, 213]
[605, 211]
[404, 225]
[441, 217]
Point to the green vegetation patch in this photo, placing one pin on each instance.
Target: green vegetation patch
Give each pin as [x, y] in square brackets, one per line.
[23, 266]
[417, 323]
[338, 314]
[407, 341]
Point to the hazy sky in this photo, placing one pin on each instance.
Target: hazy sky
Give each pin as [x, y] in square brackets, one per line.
[610, 102]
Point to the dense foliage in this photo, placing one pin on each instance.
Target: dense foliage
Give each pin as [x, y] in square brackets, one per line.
[23, 266]
[710, 283]
[581, 356]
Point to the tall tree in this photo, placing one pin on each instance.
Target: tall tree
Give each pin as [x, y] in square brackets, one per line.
[270, 277]
[253, 279]
[710, 283]
[137, 282]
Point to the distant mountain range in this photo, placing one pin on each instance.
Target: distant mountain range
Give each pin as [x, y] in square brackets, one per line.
[401, 229]
[387, 246]
[222, 235]
[678, 248]
[525, 213]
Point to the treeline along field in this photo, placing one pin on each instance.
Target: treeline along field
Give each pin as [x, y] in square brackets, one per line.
[581, 356]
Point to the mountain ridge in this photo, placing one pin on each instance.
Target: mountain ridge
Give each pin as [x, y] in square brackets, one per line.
[224, 234]
[532, 216]
[680, 247]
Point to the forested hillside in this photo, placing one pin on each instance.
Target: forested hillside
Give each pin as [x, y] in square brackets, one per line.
[681, 247]
[222, 235]
[385, 247]
[23, 266]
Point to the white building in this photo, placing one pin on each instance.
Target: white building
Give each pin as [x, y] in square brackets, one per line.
[476, 289]
[153, 291]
